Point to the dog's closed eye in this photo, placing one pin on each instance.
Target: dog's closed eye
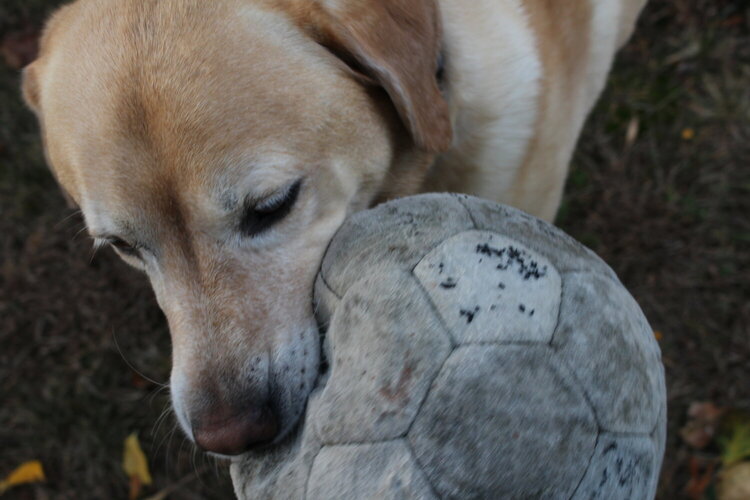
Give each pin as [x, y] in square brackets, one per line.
[125, 248]
[262, 215]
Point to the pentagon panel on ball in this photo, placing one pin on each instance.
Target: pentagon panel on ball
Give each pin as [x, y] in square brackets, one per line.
[473, 351]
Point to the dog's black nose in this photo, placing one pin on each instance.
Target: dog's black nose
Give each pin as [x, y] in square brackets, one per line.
[233, 433]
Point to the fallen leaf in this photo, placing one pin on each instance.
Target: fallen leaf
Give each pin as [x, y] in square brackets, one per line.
[135, 465]
[703, 420]
[688, 134]
[734, 20]
[734, 482]
[27, 472]
[734, 440]
[700, 478]
[632, 132]
[658, 335]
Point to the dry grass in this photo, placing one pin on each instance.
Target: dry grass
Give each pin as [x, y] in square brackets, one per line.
[670, 213]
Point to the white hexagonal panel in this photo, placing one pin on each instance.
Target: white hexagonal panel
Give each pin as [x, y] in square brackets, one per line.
[490, 288]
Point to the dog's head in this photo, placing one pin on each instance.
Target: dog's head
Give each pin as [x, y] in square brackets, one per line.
[218, 146]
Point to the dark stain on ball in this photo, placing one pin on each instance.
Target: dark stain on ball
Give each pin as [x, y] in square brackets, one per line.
[400, 392]
[449, 283]
[605, 477]
[469, 315]
[511, 256]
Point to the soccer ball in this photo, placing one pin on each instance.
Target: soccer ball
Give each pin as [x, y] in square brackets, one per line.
[474, 352]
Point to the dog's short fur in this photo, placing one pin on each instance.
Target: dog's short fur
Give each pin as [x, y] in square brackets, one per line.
[179, 126]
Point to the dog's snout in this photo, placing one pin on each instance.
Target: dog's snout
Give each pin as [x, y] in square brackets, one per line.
[235, 432]
[232, 401]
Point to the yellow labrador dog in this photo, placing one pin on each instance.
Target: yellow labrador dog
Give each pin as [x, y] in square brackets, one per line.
[218, 146]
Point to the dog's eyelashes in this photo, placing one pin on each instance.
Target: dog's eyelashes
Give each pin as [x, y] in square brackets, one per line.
[263, 215]
[125, 248]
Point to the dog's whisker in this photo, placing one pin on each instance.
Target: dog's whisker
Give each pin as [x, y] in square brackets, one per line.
[160, 421]
[216, 464]
[160, 442]
[180, 450]
[165, 412]
[156, 392]
[67, 218]
[93, 253]
[78, 233]
[166, 441]
[139, 373]
[168, 449]
[195, 465]
[212, 464]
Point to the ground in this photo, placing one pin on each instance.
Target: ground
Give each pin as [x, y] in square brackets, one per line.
[659, 187]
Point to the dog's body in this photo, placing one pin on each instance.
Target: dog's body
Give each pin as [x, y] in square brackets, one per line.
[523, 76]
[219, 145]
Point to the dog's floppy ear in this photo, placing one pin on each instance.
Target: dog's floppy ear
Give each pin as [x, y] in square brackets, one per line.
[397, 43]
[30, 87]
[30, 91]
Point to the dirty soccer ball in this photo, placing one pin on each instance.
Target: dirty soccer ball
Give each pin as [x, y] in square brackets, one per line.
[474, 352]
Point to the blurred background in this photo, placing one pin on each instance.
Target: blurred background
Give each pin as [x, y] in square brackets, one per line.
[659, 187]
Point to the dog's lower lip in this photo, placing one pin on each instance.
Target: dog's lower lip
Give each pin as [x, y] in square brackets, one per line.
[256, 447]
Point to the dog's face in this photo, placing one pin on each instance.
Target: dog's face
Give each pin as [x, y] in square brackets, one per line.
[218, 146]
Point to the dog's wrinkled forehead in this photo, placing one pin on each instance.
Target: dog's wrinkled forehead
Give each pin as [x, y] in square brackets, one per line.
[159, 97]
